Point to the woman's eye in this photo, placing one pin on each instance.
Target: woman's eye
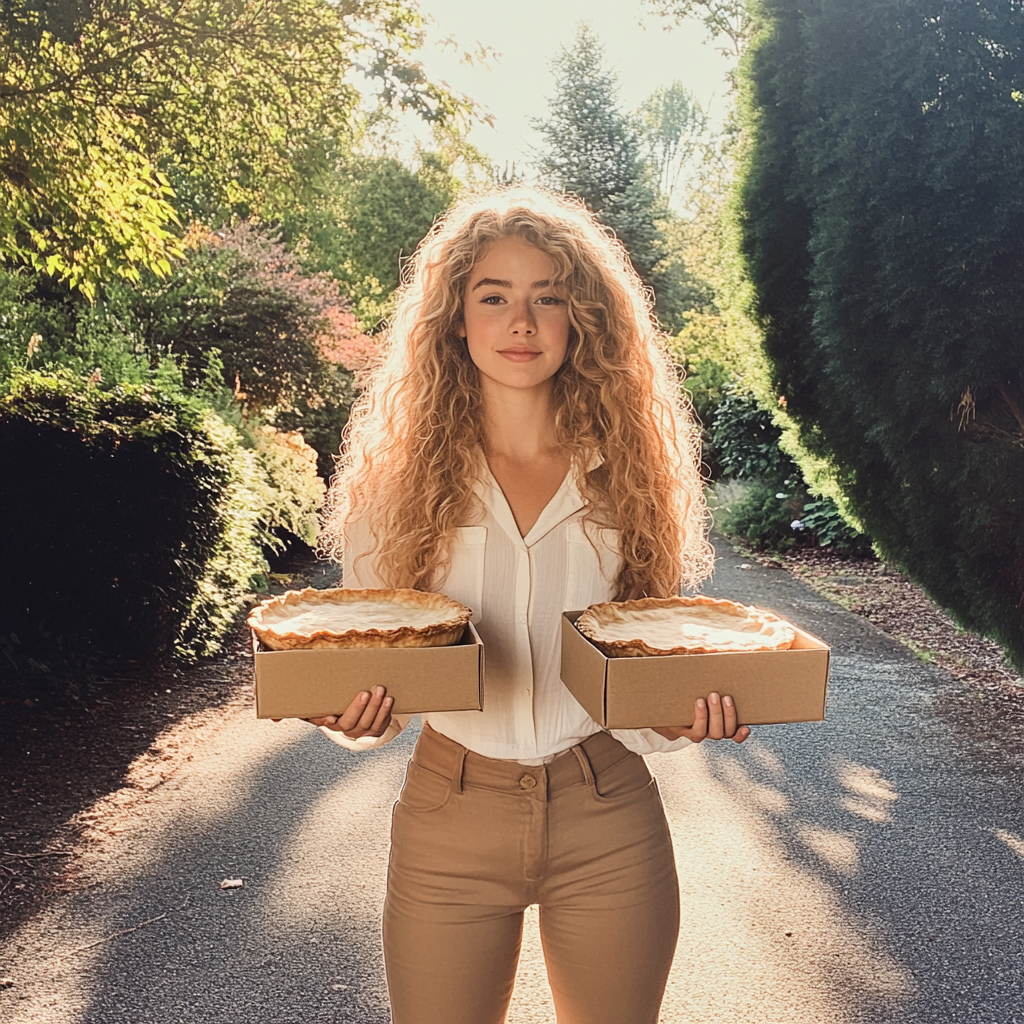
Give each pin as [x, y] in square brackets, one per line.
[492, 300]
[550, 300]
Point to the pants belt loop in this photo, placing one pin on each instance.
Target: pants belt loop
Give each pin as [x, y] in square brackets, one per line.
[588, 773]
[460, 760]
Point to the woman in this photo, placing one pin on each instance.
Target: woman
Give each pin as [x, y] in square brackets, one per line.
[522, 448]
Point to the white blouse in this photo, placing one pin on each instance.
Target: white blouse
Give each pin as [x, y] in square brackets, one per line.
[518, 588]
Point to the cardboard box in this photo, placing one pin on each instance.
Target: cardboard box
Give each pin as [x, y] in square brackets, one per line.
[768, 687]
[314, 683]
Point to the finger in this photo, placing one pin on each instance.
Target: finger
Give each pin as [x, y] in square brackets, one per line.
[716, 722]
[370, 711]
[383, 719]
[729, 715]
[699, 729]
[348, 720]
[325, 722]
[742, 733]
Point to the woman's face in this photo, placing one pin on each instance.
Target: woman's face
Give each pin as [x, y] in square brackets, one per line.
[515, 323]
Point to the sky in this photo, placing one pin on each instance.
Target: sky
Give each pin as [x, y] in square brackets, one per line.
[529, 33]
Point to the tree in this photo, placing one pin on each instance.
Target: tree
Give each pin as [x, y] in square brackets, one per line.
[883, 228]
[671, 123]
[593, 151]
[721, 18]
[107, 109]
[360, 220]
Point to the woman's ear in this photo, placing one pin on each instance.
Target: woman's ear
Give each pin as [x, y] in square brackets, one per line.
[460, 329]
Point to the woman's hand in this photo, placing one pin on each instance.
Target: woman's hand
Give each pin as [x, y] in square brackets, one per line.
[369, 714]
[713, 719]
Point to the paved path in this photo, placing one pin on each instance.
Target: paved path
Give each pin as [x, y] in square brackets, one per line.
[866, 869]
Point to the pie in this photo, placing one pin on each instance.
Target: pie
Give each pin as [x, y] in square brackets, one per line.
[682, 625]
[344, 617]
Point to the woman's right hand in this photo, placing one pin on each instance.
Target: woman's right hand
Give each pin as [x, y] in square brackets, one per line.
[369, 714]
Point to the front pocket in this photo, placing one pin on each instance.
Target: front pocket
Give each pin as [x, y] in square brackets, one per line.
[424, 790]
[465, 580]
[592, 567]
[624, 778]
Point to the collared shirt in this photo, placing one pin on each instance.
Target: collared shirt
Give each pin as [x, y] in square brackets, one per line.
[518, 588]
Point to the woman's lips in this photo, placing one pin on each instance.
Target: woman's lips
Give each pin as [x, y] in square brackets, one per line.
[518, 355]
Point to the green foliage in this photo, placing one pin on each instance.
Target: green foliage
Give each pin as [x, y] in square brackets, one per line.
[884, 231]
[362, 219]
[721, 18]
[134, 522]
[670, 126]
[243, 294]
[113, 122]
[758, 514]
[824, 518]
[593, 151]
[289, 489]
[746, 442]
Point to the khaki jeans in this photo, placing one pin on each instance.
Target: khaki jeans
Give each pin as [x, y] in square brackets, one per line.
[475, 841]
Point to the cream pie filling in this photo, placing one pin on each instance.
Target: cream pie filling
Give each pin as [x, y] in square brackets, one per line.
[339, 618]
[682, 625]
[346, 617]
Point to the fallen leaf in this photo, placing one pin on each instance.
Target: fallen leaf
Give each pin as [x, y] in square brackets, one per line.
[232, 883]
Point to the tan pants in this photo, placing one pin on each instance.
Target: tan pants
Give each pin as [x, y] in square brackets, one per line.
[475, 841]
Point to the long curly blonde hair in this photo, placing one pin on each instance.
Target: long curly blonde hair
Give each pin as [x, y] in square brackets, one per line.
[413, 447]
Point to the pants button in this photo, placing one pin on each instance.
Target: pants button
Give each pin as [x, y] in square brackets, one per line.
[527, 782]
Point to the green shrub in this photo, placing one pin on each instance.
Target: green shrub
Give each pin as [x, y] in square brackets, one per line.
[130, 517]
[821, 516]
[745, 442]
[30, 330]
[754, 511]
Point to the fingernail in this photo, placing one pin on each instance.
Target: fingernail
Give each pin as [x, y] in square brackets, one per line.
[364, 696]
[700, 703]
[388, 701]
[727, 701]
[713, 697]
[378, 691]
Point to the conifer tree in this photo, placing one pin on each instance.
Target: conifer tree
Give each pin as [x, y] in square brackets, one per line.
[883, 227]
[593, 151]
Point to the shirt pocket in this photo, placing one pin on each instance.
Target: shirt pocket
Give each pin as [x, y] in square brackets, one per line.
[593, 563]
[465, 580]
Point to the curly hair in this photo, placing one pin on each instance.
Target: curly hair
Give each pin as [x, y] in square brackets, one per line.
[413, 446]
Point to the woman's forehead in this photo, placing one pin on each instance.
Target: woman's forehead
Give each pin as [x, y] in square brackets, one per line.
[516, 260]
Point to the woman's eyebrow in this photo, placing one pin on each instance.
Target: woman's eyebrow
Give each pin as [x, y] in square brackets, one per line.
[493, 282]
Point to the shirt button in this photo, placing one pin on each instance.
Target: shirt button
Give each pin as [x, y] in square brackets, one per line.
[527, 782]
[528, 691]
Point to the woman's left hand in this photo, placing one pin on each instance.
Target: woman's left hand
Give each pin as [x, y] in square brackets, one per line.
[713, 719]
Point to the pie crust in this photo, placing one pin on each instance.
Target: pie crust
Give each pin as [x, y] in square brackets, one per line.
[655, 626]
[344, 617]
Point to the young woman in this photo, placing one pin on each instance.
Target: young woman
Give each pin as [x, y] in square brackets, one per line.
[522, 448]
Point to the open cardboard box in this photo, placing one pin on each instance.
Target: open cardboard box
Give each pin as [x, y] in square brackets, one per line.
[768, 687]
[314, 683]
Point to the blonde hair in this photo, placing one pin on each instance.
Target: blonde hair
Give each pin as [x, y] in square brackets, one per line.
[413, 445]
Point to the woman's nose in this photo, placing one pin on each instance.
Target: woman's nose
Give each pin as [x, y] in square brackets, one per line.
[522, 321]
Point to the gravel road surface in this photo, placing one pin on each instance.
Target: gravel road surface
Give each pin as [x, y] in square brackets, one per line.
[869, 868]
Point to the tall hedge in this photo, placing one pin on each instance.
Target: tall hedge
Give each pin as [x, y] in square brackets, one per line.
[129, 517]
[883, 227]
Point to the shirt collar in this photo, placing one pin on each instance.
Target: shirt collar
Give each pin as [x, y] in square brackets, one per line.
[566, 501]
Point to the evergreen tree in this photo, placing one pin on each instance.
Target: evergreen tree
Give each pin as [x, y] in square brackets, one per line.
[593, 151]
[883, 225]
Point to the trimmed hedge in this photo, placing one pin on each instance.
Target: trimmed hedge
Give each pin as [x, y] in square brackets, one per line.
[129, 517]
